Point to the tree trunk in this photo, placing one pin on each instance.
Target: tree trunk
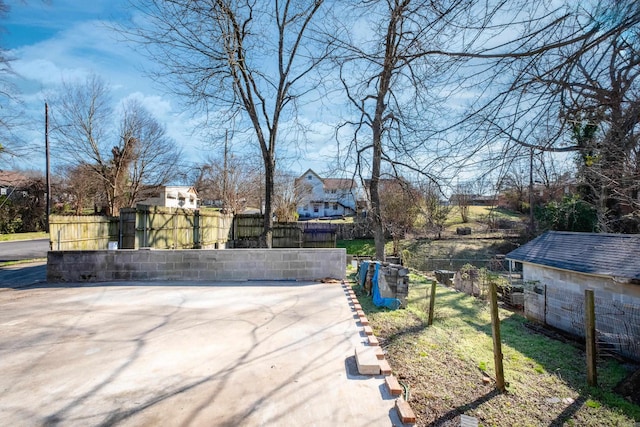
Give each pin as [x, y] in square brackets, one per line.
[376, 212]
[266, 239]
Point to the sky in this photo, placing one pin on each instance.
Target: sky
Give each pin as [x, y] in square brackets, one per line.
[52, 41]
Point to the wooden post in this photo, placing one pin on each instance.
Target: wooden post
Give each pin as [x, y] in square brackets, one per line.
[590, 336]
[495, 329]
[432, 302]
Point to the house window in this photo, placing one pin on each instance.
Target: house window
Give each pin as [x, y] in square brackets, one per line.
[326, 205]
[3, 191]
[306, 207]
[315, 209]
[335, 206]
[309, 177]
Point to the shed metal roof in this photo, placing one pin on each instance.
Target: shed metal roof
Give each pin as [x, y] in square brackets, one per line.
[616, 255]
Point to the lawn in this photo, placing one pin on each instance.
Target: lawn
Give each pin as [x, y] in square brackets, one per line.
[443, 365]
[481, 214]
[23, 236]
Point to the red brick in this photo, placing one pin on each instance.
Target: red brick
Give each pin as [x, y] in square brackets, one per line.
[360, 313]
[379, 353]
[357, 306]
[393, 385]
[367, 330]
[373, 340]
[355, 300]
[405, 412]
[385, 368]
[364, 321]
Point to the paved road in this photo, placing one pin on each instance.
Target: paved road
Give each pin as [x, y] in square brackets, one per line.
[23, 249]
[21, 275]
[180, 354]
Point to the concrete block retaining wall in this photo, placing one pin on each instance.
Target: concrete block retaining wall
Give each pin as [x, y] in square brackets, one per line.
[196, 264]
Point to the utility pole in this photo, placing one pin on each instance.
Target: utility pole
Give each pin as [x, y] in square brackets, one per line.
[46, 145]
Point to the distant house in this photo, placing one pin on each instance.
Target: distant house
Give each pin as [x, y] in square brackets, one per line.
[174, 197]
[558, 267]
[473, 199]
[325, 197]
[13, 184]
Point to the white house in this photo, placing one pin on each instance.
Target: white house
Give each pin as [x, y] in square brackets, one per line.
[325, 197]
[558, 267]
[174, 196]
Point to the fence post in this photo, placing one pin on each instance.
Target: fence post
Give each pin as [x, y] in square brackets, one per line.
[590, 336]
[197, 244]
[432, 302]
[495, 329]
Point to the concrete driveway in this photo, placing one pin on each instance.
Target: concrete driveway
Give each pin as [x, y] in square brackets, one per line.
[177, 354]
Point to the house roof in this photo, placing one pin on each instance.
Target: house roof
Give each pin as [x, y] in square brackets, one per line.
[12, 179]
[330, 183]
[338, 184]
[601, 254]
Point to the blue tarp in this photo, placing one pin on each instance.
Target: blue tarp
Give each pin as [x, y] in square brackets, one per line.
[378, 300]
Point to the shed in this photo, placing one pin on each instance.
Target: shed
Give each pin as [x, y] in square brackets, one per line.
[558, 267]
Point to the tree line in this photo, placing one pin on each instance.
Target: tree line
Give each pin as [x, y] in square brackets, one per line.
[422, 88]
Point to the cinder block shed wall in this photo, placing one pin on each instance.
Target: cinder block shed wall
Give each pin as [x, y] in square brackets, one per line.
[557, 299]
[197, 264]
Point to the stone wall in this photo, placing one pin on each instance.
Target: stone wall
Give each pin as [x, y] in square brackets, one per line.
[209, 265]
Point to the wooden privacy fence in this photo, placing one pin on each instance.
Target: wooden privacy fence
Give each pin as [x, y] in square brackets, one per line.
[173, 228]
[247, 230]
[145, 226]
[82, 232]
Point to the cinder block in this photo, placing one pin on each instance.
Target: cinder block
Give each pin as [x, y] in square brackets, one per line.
[367, 361]
[373, 341]
[385, 368]
[393, 385]
[405, 412]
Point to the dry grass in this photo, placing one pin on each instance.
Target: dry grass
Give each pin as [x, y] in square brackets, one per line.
[23, 236]
[443, 366]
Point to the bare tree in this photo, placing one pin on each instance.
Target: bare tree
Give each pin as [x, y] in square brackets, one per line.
[400, 207]
[79, 187]
[434, 209]
[230, 182]
[10, 104]
[501, 53]
[121, 163]
[153, 159]
[578, 95]
[242, 57]
[463, 199]
[287, 195]
[386, 83]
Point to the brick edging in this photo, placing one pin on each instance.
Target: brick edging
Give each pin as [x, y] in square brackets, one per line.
[405, 413]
